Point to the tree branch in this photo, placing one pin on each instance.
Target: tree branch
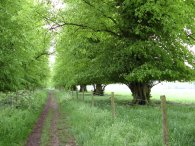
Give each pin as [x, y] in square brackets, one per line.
[156, 84]
[191, 36]
[44, 53]
[112, 19]
[84, 27]
[104, 86]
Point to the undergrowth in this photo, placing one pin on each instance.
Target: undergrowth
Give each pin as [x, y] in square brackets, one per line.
[18, 113]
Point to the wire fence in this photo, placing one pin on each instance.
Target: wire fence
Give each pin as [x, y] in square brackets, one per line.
[162, 102]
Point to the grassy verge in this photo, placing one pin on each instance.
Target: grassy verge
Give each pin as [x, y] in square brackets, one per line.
[46, 132]
[134, 125]
[64, 134]
[17, 116]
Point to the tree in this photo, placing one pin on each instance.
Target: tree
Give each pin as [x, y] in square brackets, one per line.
[77, 61]
[74, 65]
[83, 88]
[23, 38]
[146, 40]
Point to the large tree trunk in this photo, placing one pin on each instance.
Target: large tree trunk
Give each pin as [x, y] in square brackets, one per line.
[73, 88]
[140, 92]
[99, 90]
[83, 88]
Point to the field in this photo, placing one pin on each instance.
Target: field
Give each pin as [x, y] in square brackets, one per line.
[134, 125]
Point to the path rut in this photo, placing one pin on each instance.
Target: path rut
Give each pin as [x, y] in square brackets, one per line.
[35, 137]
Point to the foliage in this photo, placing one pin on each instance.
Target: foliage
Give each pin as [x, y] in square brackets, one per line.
[75, 63]
[18, 117]
[23, 40]
[131, 42]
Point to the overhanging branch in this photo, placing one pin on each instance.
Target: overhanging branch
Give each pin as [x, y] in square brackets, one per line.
[84, 27]
[44, 53]
[154, 84]
[191, 36]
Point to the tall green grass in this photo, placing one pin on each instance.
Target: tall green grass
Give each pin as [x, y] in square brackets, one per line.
[18, 117]
[134, 125]
[46, 131]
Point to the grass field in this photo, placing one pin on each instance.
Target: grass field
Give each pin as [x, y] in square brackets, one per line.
[134, 125]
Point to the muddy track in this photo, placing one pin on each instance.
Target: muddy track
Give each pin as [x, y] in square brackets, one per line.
[35, 137]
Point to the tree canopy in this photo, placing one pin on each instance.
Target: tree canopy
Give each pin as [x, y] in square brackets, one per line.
[23, 43]
[132, 42]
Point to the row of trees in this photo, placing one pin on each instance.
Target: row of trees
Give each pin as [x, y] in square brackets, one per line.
[23, 45]
[137, 43]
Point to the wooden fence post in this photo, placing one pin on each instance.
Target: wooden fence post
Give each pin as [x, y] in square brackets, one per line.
[83, 94]
[77, 94]
[12, 102]
[92, 100]
[164, 120]
[113, 105]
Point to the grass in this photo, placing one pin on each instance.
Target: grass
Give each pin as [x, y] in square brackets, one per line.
[17, 117]
[63, 126]
[46, 136]
[134, 125]
[63, 133]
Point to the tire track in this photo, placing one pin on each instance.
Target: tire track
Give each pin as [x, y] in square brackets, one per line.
[35, 137]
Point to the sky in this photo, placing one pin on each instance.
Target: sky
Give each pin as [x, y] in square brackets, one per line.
[57, 5]
[52, 57]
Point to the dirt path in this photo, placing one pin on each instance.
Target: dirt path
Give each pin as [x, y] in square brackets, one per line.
[35, 137]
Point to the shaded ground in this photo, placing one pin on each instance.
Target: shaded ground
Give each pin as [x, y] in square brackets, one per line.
[57, 126]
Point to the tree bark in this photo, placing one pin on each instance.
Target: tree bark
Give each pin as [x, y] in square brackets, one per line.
[83, 87]
[99, 90]
[73, 88]
[140, 92]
